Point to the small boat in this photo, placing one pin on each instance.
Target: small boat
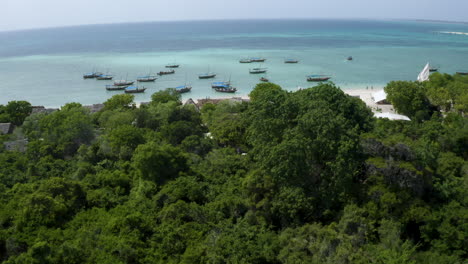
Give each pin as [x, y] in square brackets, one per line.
[245, 61]
[104, 77]
[433, 69]
[258, 70]
[123, 83]
[207, 75]
[183, 88]
[134, 89]
[318, 78]
[462, 73]
[350, 58]
[291, 61]
[220, 84]
[92, 75]
[257, 59]
[166, 72]
[147, 78]
[172, 65]
[226, 89]
[263, 79]
[115, 87]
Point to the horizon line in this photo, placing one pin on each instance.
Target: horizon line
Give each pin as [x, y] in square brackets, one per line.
[231, 19]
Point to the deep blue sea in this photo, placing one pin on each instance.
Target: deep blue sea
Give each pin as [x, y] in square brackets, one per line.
[45, 66]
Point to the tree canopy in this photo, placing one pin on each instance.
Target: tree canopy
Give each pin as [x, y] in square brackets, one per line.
[289, 177]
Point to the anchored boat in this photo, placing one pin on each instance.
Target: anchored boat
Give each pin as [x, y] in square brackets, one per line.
[258, 70]
[147, 78]
[291, 61]
[220, 84]
[123, 83]
[135, 89]
[318, 78]
[207, 75]
[104, 77]
[172, 65]
[226, 89]
[183, 88]
[166, 72]
[115, 87]
[256, 59]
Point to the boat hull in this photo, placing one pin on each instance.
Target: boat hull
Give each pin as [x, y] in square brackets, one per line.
[184, 90]
[123, 83]
[115, 88]
[207, 76]
[226, 90]
[147, 80]
[166, 73]
[321, 79]
[142, 90]
[462, 73]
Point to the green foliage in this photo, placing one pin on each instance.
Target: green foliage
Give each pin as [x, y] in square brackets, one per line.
[289, 177]
[119, 101]
[15, 112]
[409, 98]
[159, 162]
[165, 96]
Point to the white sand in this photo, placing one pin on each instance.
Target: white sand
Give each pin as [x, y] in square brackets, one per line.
[364, 94]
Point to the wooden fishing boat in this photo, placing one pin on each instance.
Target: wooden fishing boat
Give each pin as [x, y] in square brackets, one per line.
[255, 59]
[207, 75]
[147, 78]
[123, 83]
[318, 78]
[263, 79]
[135, 89]
[92, 75]
[166, 72]
[220, 84]
[258, 70]
[115, 87]
[183, 88]
[172, 65]
[104, 77]
[291, 61]
[226, 89]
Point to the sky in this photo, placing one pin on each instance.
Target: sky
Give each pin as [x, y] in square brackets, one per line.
[26, 14]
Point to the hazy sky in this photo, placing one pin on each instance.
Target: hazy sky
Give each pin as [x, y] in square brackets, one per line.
[21, 14]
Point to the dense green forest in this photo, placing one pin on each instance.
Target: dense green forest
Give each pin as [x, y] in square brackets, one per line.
[289, 177]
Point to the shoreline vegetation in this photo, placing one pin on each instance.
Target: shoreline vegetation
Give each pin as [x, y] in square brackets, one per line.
[306, 176]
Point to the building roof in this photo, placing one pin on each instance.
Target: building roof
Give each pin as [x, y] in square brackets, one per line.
[191, 102]
[392, 116]
[6, 128]
[380, 96]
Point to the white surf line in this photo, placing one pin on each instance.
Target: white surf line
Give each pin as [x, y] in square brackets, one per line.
[453, 33]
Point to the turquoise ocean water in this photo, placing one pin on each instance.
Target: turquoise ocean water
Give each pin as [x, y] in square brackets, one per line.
[46, 66]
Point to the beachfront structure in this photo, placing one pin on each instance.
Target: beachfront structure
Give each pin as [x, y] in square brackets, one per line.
[380, 97]
[392, 116]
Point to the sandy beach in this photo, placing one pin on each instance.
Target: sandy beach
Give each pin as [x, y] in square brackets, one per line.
[364, 94]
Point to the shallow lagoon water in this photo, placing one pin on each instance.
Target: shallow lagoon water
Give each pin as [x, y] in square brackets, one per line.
[45, 66]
